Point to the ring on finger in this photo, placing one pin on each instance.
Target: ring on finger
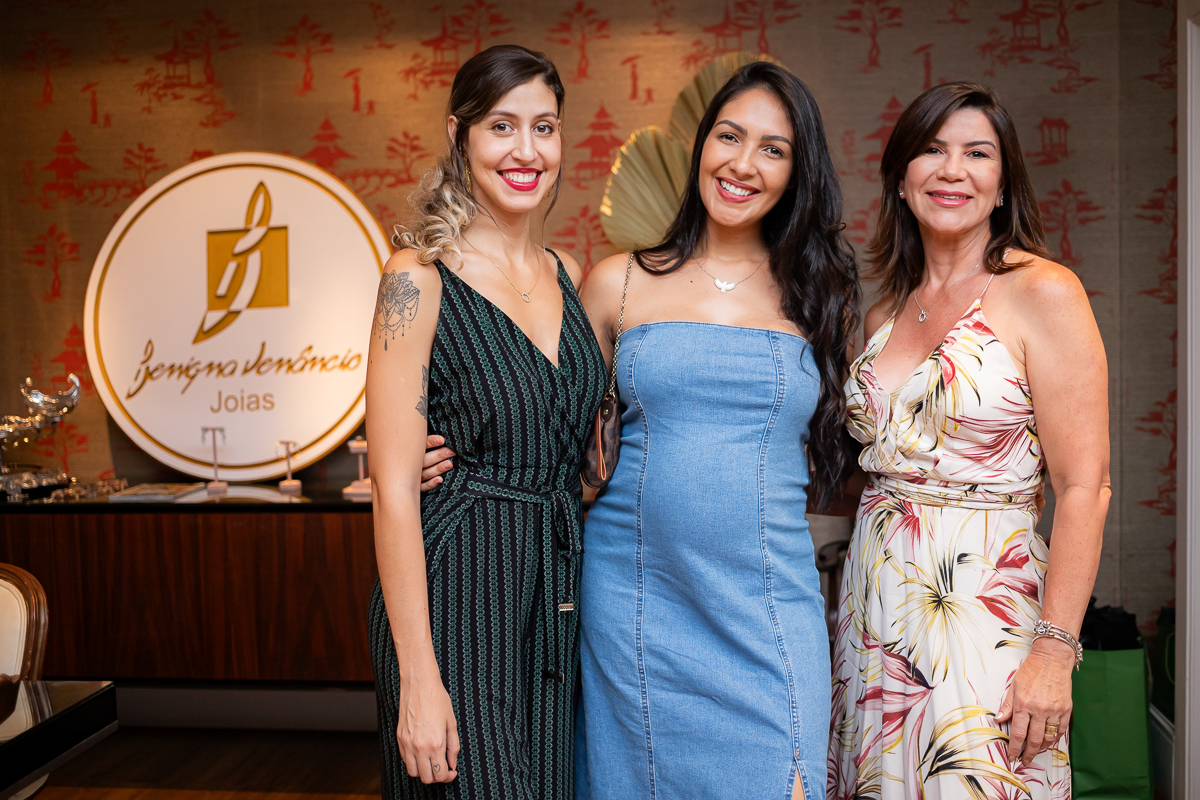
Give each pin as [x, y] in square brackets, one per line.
[1052, 730]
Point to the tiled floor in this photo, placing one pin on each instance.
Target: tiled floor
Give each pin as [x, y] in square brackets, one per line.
[187, 764]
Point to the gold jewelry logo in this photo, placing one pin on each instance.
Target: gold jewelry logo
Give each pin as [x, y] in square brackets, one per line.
[247, 268]
[276, 259]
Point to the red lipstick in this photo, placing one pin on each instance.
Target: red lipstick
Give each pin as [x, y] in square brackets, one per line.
[522, 187]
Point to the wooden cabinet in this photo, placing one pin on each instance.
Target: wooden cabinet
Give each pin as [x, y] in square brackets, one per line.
[168, 593]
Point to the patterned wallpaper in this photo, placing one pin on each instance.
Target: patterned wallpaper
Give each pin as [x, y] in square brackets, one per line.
[103, 97]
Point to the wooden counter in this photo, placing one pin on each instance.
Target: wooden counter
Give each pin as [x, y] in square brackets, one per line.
[249, 592]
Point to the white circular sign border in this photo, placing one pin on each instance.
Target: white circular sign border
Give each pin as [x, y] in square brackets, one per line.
[264, 470]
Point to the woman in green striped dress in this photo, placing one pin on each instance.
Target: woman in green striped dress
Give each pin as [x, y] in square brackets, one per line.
[479, 335]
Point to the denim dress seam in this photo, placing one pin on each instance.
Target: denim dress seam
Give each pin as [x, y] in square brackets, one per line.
[643, 686]
[801, 769]
[780, 394]
[802, 774]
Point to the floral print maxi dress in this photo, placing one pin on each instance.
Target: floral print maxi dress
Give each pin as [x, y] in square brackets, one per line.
[944, 579]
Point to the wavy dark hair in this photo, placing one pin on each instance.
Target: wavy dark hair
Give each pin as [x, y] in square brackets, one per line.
[896, 253]
[443, 204]
[809, 258]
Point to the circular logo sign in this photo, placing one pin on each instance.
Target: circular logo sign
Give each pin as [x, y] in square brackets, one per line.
[233, 300]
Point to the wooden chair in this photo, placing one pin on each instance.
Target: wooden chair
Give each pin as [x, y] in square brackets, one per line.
[23, 622]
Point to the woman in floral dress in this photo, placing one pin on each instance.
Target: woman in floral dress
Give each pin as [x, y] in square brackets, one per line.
[941, 687]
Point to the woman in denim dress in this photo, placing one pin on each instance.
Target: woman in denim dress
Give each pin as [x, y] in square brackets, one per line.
[705, 656]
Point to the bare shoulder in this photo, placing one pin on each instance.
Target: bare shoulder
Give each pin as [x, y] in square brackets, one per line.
[404, 262]
[601, 294]
[571, 266]
[607, 279]
[1044, 287]
[877, 315]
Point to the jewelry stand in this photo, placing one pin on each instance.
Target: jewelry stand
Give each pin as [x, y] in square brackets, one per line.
[360, 490]
[288, 486]
[216, 486]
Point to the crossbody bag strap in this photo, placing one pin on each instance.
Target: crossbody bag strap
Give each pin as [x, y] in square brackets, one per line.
[612, 380]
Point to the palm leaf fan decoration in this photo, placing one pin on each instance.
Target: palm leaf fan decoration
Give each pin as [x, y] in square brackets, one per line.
[692, 101]
[651, 168]
[644, 188]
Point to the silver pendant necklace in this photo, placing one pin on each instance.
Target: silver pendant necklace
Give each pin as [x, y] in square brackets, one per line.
[924, 312]
[729, 286]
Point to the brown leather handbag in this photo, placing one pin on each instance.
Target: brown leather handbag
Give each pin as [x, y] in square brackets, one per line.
[604, 445]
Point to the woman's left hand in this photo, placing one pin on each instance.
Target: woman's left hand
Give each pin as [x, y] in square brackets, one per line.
[1040, 694]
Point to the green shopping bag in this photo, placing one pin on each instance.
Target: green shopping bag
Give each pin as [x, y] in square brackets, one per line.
[1110, 742]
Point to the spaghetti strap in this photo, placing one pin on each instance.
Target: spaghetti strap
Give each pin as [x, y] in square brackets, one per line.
[989, 283]
[985, 288]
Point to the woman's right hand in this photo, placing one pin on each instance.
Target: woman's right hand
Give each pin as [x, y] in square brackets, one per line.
[427, 732]
[435, 463]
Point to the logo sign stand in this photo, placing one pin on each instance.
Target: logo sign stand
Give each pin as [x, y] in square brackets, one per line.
[360, 490]
[237, 293]
[289, 485]
[216, 485]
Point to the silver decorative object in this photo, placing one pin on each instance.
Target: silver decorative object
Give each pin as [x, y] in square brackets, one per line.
[45, 411]
[88, 492]
[20, 481]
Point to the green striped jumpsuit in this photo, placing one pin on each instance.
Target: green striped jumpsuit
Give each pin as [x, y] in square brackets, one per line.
[502, 550]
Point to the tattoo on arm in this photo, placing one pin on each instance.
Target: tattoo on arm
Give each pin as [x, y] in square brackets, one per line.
[423, 403]
[396, 305]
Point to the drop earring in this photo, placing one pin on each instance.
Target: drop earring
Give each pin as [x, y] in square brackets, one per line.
[1002, 200]
[468, 175]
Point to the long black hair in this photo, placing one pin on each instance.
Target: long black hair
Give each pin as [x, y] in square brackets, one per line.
[809, 257]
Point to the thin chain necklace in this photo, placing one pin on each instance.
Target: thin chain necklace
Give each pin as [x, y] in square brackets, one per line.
[725, 286]
[925, 311]
[524, 295]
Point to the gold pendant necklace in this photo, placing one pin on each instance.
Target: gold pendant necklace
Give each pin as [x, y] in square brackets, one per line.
[524, 295]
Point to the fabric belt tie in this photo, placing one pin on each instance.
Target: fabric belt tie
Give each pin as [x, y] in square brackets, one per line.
[559, 601]
[955, 495]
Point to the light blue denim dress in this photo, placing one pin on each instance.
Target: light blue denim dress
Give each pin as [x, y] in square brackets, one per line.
[705, 658]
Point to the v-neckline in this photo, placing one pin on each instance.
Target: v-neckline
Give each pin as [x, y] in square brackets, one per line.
[554, 364]
[944, 344]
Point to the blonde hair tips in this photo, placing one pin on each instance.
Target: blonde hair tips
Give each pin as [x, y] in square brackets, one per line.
[442, 210]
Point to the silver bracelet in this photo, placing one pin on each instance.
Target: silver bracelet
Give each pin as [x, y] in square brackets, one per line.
[1046, 630]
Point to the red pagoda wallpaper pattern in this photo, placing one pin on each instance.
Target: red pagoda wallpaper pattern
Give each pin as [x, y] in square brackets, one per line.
[103, 98]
